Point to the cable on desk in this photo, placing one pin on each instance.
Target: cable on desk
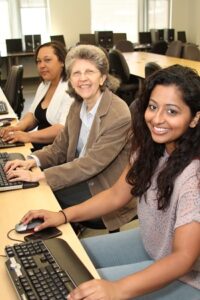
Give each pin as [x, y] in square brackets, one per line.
[12, 239]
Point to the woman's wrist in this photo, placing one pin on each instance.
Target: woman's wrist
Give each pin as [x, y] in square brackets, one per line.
[64, 216]
[31, 163]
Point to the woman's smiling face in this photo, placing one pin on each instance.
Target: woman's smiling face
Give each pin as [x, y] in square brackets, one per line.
[86, 79]
[167, 116]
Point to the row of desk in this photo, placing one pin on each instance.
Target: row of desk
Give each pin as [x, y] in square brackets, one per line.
[137, 60]
[13, 205]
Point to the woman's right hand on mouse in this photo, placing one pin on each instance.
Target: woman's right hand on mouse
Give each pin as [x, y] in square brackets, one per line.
[51, 219]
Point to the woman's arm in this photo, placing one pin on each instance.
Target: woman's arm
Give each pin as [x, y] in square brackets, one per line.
[186, 250]
[103, 203]
[43, 136]
[46, 135]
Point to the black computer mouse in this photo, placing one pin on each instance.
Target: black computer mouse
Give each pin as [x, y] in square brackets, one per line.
[25, 228]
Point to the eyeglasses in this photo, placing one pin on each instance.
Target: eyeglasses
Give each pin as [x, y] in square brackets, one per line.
[87, 73]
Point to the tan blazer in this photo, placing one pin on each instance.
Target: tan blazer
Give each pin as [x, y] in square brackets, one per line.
[106, 154]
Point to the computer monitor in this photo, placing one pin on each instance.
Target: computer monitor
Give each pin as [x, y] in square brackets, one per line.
[119, 36]
[58, 38]
[181, 36]
[104, 39]
[87, 39]
[14, 45]
[145, 37]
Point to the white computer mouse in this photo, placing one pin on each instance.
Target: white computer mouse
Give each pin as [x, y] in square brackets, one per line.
[25, 228]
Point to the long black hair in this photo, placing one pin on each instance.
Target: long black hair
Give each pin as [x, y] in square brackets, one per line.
[148, 152]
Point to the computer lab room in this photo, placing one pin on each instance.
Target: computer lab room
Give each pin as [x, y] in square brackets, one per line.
[100, 149]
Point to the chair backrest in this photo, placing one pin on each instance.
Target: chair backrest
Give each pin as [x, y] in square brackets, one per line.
[159, 47]
[191, 51]
[124, 46]
[150, 68]
[118, 65]
[13, 89]
[174, 49]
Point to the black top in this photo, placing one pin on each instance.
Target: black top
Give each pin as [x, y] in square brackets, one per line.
[40, 115]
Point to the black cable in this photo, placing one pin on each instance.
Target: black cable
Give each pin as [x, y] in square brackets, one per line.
[13, 239]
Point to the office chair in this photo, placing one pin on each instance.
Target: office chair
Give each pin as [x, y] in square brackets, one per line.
[124, 46]
[191, 51]
[150, 68]
[159, 47]
[13, 89]
[174, 49]
[129, 84]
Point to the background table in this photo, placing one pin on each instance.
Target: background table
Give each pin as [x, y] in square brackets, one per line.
[137, 60]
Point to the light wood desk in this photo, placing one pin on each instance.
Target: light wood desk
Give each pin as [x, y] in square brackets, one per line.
[14, 204]
[137, 60]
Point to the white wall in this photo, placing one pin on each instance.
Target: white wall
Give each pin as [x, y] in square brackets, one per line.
[69, 17]
[185, 16]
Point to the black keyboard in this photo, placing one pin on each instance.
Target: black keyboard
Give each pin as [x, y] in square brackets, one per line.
[6, 185]
[4, 144]
[3, 108]
[46, 270]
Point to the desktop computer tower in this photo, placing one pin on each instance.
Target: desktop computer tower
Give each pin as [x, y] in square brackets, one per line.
[169, 35]
[36, 40]
[160, 34]
[104, 39]
[28, 43]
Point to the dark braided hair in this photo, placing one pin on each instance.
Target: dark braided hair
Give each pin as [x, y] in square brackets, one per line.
[148, 151]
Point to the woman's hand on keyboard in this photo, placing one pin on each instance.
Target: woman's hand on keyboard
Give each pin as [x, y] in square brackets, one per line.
[19, 164]
[17, 136]
[24, 175]
[51, 219]
[4, 132]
